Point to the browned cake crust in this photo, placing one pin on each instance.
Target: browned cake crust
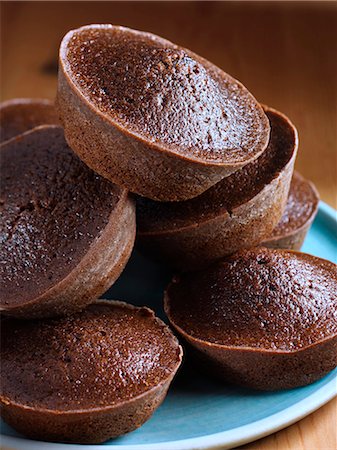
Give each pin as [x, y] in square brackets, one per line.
[152, 116]
[88, 377]
[22, 114]
[262, 318]
[66, 232]
[240, 211]
[299, 214]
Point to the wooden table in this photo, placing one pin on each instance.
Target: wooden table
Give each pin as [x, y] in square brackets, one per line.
[285, 53]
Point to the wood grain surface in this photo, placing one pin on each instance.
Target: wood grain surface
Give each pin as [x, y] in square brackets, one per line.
[285, 53]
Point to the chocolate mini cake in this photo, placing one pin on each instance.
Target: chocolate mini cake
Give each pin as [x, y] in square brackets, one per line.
[88, 377]
[240, 211]
[299, 213]
[152, 116]
[261, 318]
[22, 114]
[66, 233]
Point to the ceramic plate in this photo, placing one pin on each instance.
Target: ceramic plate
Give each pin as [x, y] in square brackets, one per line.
[200, 413]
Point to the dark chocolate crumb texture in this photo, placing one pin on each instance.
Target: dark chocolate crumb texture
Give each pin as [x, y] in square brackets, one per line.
[132, 102]
[264, 304]
[164, 93]
[54, 209]
[86, 377]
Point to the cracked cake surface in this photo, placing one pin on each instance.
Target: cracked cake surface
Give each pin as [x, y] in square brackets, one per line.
[53, 207]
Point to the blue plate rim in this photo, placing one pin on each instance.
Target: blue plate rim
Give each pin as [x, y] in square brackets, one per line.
[328, 211]
[225, 439]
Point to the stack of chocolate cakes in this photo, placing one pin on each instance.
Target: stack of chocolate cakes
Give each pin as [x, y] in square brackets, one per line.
[150, 143]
